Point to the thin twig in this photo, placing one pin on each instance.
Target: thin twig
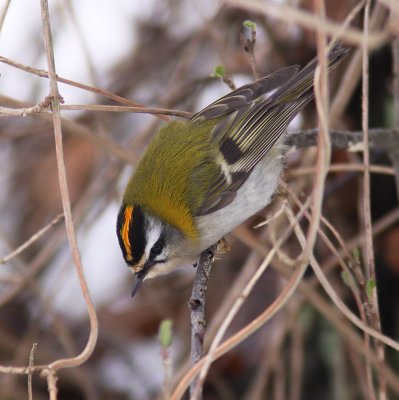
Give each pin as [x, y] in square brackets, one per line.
[248, 40]
[369, 248]
[374, 168]
[31, 364]
[142, 110]
[353, 71]
[31, 240]
[83, 131]
[296, 359]
[42, 107]
[272, 352]
[68, 5]
[85, 354]
[292, 15]
[338, 302]
[4, 13]
[394, 153]
[308, 288]
[51, 377]
[348, 313]
[102, 92]
[351, 140]
[358, 294]
[197, 307]
[380, 226]
[21, 370]
[273, 308]
[319, 303]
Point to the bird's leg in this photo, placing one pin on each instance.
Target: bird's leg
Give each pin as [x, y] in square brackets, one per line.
[223, 246]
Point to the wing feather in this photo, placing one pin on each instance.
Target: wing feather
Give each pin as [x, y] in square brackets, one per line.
[249, 124]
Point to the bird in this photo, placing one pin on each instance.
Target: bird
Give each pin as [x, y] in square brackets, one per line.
[200, 178]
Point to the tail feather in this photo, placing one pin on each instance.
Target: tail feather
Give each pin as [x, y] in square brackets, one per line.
[302, 82]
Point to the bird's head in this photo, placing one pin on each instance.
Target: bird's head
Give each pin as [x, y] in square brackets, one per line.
[150, 246]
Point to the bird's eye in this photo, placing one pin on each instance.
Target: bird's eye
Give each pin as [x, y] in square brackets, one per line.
[156, 249]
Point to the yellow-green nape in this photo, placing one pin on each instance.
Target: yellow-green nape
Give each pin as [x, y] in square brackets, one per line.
[174, 174]
[175, 214]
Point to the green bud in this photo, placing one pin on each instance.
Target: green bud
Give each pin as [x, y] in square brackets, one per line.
[218, 72]
[370, 286]
[356, 254]
[347, 278]
[165, 333]
[249, 24]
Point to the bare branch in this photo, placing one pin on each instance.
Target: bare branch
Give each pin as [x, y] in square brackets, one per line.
[55, 104]
[281, 300]
[31, 364]
[353, 71]
[197, 307]
[352, 140]
[394, 152]
[4, 13]
[369, 247]
[43, 107]
[102, 92]
[289, 14]
[31, 240]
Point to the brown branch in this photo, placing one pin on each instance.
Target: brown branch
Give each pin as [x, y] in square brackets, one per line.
[248, 40]
[292, 15]
[374, 314]
[81, 130]
[42, 107]
[31, 240]
[309, 288]
[44, 74]
[138, 110]
[357, 293]
[55, 104]
[353, 71]
[309, 291]
[197, 307]
[281, 300]
[378, 138]
[394, 153]
[31, 364]
[353, 167]
[4, 13]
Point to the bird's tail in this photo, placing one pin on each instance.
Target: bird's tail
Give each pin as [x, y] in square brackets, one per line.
[302, 82]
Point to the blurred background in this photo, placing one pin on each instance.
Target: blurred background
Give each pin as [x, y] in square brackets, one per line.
[162, 54]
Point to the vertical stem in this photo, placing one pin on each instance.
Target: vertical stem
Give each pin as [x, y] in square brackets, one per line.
[369, 251]
[4, 13]
[394, 154]
[197, 307]
[66, 204]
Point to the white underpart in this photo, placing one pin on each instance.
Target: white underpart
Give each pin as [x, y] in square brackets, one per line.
[253, 195]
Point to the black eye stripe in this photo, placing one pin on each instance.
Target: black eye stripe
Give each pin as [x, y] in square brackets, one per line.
[157, 248]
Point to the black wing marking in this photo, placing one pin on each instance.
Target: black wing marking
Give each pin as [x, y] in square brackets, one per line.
[253, 124]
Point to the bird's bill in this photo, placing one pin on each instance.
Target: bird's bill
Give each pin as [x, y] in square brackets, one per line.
[137, 281]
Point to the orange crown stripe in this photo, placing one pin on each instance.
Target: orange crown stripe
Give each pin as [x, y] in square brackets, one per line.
[125, 231]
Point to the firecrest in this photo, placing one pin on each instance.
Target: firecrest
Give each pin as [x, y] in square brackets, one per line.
[199, 179]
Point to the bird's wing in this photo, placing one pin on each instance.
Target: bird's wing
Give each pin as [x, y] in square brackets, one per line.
[249, 124]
